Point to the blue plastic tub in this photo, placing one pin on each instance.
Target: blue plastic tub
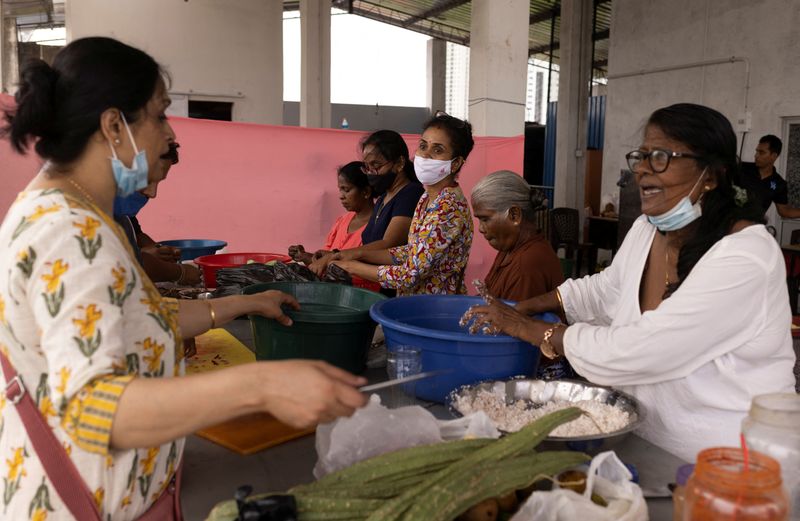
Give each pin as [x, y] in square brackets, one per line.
[193, 248]
[430, 322]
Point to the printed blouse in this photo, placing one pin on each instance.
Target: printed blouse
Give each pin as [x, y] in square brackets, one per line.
[79, 320]
[438, 247]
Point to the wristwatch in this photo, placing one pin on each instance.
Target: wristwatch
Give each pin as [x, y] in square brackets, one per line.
[546, 347]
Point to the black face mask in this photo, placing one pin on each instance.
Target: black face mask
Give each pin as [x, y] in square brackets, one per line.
[381, 183]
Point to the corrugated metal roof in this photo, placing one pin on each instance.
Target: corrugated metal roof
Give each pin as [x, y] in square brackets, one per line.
[450, 20]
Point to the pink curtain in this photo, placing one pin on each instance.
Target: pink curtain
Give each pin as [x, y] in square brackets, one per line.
[262, 188]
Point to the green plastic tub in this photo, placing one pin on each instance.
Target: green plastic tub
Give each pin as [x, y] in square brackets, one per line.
[333, 325]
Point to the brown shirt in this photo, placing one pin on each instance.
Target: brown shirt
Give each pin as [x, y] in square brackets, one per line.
[530, 269]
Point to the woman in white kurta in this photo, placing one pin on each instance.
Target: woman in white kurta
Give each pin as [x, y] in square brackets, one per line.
[96, 346]
[692, 316]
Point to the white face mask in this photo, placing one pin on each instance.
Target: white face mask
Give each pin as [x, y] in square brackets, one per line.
[431, 171]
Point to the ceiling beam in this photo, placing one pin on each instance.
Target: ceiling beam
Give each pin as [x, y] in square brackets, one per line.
[443, 7]
[599, 35]
[544, 15]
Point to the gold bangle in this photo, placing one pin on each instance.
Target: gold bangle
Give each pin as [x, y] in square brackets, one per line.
[180, 278]
[560, 303]
[546, 347]
[213, 315]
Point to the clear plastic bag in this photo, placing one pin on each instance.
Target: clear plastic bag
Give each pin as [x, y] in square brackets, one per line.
[375, 430]
[607, 477]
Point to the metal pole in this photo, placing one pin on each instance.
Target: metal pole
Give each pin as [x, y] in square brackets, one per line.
[594, 30]
[550, 66]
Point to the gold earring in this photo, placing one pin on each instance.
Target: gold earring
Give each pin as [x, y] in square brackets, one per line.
[706, 188]
[117, 141]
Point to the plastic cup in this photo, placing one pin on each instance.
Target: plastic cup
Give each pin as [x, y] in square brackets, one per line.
[403, 361]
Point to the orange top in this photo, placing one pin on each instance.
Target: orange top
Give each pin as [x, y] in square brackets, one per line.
[339, 238]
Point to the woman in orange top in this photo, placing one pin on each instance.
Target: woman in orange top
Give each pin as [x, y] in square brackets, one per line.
[355, 195]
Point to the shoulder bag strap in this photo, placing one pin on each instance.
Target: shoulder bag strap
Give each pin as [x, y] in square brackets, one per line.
[57, 464]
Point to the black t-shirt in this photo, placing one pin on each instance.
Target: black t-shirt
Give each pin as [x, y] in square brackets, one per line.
[771, 189]
[402, 204]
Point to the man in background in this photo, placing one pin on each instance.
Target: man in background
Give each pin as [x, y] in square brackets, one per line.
[765, 181]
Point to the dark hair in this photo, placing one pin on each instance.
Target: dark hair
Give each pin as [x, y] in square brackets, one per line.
[459, 131]
[392, 147]
[61, 105]
[708, 134]
[354, 174]
[773, 142]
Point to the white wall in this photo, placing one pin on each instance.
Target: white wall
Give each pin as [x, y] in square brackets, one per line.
[225, 51]
[647, 34]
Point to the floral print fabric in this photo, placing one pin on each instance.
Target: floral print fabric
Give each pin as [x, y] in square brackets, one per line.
[78, 321]
[438, 247]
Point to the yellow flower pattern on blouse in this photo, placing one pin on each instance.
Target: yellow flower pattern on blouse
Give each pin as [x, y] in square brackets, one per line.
[14, 474]
[54, 290]
[88, 228]
[89, 239]
[87, 321]
[28, 220]
[155, 365]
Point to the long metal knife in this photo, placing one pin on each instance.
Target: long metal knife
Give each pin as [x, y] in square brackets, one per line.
[400, 381]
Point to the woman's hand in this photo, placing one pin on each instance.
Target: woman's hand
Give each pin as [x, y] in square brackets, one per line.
[304, 393]
[165, 253]
[269, 304]
[502, 318]
[321, 253]
[190, 276]
[319, 266]
[299, 254]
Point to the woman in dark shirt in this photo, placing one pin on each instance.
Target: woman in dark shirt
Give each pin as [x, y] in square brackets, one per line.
[391, 175]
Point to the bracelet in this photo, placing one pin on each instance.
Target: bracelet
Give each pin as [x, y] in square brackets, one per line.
[560, 302]
[213, 315]
[546, 347]
[180, 278]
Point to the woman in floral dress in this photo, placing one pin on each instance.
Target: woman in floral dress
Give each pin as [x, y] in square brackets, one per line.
[96, 346]
[441, 231]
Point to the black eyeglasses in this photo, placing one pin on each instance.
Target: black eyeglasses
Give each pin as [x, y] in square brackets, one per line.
[373, 169]
[444, 116]
[658, 158]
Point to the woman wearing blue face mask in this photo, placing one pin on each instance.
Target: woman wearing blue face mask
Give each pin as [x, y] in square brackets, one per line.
[440, 236]
[96, 404]
[691, 317]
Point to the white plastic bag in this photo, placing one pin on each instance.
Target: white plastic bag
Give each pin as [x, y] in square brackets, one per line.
[607, 477]
[375, 430]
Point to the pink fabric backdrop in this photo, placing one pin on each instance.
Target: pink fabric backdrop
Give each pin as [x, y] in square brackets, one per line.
[262, 188]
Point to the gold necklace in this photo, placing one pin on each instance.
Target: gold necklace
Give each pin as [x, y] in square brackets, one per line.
[80, 189]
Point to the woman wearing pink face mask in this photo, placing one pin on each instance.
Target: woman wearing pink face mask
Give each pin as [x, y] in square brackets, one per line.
[441, 231]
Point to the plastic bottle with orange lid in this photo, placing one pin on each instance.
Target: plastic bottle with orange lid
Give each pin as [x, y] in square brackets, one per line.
[728, 484]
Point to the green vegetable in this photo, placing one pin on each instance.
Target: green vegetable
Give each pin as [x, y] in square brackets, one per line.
[526, 439]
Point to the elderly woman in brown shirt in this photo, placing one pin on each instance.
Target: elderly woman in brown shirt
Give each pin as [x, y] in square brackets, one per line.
[526, 265]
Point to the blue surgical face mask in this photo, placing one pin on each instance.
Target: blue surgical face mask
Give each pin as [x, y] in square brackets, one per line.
[130, 205]
[129, 180]
[681, 214]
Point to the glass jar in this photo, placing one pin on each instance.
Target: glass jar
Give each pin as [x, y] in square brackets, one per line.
[679, 493]
[773, 428]
[720, 489]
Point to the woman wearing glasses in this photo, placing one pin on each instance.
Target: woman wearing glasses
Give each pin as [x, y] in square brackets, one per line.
[691, 317]
[440, 237]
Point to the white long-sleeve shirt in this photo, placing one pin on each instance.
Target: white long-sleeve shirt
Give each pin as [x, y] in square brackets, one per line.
[695, 361]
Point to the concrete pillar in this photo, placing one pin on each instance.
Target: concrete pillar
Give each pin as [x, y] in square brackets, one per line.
[498, 67]
[315, 75]
[437, 75]
[573, 101]
[9, 61]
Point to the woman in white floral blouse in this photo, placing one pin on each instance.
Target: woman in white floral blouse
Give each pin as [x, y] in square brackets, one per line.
[96, 346]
